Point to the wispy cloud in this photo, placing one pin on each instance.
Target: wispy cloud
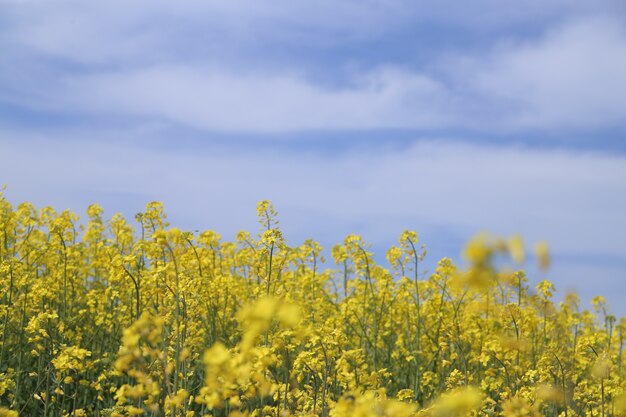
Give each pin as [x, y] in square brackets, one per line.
[216, 100]
[575, 76]
[574, 199]
[87, 32]
[569, 76]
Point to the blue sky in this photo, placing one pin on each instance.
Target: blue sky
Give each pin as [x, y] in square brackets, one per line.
[361, 117]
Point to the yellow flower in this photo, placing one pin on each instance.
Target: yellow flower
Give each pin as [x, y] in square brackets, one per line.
[542, 252]
[601, 368]
[519, 407]
[516, 249]
[5, 412]
[134, 411]
[458, 402]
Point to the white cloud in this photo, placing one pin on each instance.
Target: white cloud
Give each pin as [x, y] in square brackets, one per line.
[99, 30]
[105, 32]
[575, 200]
[575, 76]
[571, 77]
[216, 100]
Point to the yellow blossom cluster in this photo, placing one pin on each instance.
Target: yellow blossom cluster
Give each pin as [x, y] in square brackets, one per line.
[113, 317]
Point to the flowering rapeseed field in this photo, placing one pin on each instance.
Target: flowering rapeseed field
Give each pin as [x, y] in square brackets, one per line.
[113, 320]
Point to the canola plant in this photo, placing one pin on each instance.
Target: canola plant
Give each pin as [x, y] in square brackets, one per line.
[111, 319]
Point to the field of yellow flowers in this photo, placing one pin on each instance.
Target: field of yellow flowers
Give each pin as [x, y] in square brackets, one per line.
[111, 319]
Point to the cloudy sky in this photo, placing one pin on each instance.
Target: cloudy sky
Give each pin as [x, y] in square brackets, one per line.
[365, 116]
